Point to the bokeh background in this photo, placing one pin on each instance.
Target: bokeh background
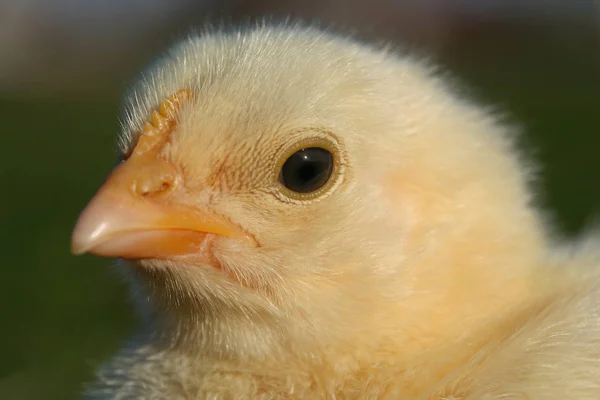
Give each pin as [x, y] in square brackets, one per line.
[63, 68]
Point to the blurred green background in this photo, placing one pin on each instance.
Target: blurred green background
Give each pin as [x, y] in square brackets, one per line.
[62, 74]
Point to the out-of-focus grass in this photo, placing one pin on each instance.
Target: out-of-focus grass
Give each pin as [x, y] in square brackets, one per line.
[548, 80]
[61, 315]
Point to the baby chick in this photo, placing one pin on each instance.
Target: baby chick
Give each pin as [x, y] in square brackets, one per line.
[305, 217]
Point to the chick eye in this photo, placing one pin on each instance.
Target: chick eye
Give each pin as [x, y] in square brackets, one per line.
[307, 170]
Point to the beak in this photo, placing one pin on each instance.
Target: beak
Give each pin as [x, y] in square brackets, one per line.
[119, 222]
[136, 213]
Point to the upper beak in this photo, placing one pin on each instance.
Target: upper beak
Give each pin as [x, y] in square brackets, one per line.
[136, 213]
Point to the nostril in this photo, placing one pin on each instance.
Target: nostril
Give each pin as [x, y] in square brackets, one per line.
[149, 176]
[153, 185]
[164, 186]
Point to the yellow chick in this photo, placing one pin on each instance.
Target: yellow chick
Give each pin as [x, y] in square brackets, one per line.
[306, 217]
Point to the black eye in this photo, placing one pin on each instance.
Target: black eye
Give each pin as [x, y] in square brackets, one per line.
[307, 170]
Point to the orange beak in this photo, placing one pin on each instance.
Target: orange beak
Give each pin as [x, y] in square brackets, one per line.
[135, 214]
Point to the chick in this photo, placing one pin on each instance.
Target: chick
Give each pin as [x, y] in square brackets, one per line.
[306, 217]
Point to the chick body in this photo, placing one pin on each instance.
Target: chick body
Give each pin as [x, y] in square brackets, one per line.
[424, 271]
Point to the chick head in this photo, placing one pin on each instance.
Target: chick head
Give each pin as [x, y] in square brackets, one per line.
[310, 186]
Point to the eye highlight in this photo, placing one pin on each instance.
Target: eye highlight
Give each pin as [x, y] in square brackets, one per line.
[307, 170]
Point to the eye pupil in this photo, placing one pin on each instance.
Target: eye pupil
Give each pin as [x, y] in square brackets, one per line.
[307, 170]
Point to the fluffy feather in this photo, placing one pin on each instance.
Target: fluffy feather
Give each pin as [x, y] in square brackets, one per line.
[425, 271]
